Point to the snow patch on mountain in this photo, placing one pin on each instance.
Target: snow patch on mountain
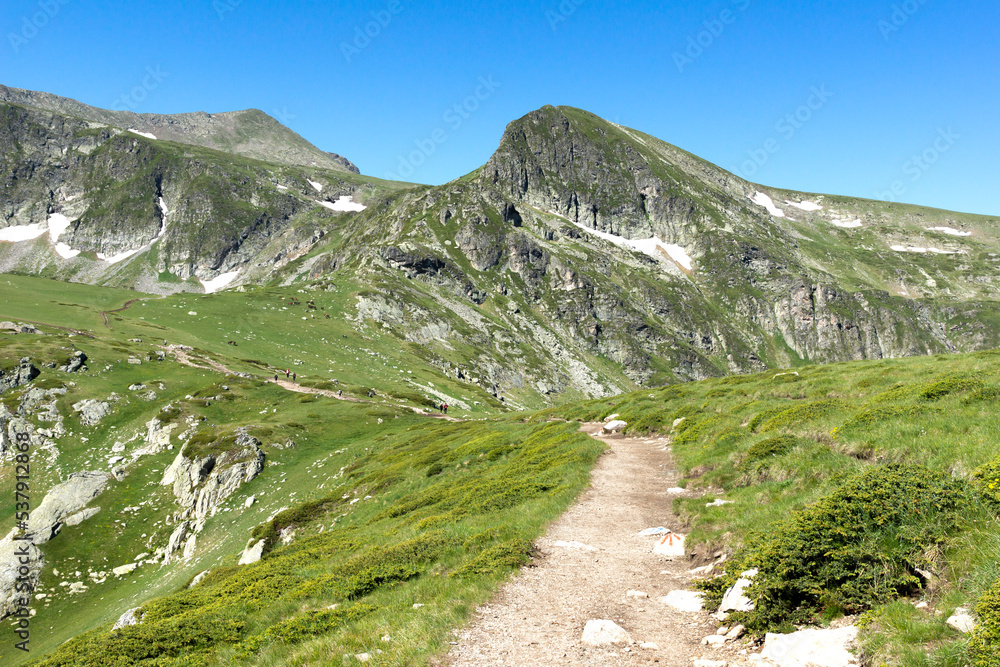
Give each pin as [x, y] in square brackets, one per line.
[762, 199]
[343, 204]
[949, 231]
[221, 282]
[142, 134]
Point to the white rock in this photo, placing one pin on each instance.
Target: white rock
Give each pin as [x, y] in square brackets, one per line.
[650, 646]
[735, 598]
[637, 594]
[670, 546]
[811, 648]
[604, 633]
[130, 617]
[676, 491]
[362, 657]
[573, 545]
[125, 569]
[419, 606]
[252, 553]
[198, 578]
[686, 601]
[962, 621]
[611, 418]
[709, 663]
[250, 501]
[719, 503]
[735, 633]
[702, 571]
[615, 426]
[714, 640]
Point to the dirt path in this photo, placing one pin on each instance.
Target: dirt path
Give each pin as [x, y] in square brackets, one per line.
[105, 313]
[538, 617]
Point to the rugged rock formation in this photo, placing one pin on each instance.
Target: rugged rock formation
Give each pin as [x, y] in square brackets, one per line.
[17, 377]
[12, 558]
[65, 500]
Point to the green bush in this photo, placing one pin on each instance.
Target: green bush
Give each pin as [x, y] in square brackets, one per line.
[942, 388]
[496, 559]
[984, 645]
[766, 449]
[801, 413]
[984, 394]
[988, 478]
[853, 549]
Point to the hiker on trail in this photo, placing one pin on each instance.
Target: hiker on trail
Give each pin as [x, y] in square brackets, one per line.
[293, 377]
[340, 392]
[286, 373]
[444, 408]
[275, 377]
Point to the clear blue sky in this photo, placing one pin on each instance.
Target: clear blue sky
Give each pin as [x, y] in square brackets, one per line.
[899, 79]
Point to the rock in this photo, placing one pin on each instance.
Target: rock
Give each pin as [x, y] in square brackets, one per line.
[130, 617]
[125, 569]
[962, 621]
[252, 553]
[709, 663]
[18, 377]
[735, 633]
[13, 554]
[637, 594]
[76, 363]
[135, 361]
[687, 601]
[136, 387]
[250, 501]
[671, 546]
[573, 545]
[198, 578]
[177, 538]
[616, 426]
[604, 633]
[77, 587]
[81, 516]
[649, 646]
[649, 532]
[612, 418]
[719, 503]
[812, 648]
[419, 606]
[713, 640]
[64, 500]
[735, 598]
[91, 411]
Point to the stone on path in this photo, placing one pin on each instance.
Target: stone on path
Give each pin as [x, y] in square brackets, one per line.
[671, 546]
[604, 633]
[811, 648]
[637, 594]
[615, 426]
[686, 601]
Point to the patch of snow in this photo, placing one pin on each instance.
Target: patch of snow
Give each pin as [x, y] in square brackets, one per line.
[653, 247]
[805, 206]
[120, 257]
[318, 186]
[343, 204]
[58, 223]
[923, 251]
[20, 233]
[142, 134]
[216, 284]
[762, 199]
[65, 251]
[163, 221]
[282, 187]
[846, 224]
[949, 231]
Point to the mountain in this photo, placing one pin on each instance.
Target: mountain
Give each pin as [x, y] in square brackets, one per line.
[251, 133]
[582, 259]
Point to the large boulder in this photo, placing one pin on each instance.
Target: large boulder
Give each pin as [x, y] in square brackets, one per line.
[91, 411]
[130, 617]
[811, 648]
[735, 598]
[63, 501]
[18, 377]
[15, 555]
[76, 363]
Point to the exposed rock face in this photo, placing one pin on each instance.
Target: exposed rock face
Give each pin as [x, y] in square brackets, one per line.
[76, 364]
[735, 598]
[20, 327]
[201, 485]
[253, 553]
[63, 501]
[91, 411]
[17, 377]
[13, 555]
[811, 648]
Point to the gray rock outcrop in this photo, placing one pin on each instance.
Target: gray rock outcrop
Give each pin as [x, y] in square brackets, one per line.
[64, 501]
[91, 411]
[77, 363]
[18, 377]
[12, 553]
[130, 617]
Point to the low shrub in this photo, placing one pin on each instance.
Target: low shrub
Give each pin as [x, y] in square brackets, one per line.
[856, 548]
[504, 556]
[984, 645]
[988, 478]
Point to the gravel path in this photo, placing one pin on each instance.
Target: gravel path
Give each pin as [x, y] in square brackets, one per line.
[538, 617]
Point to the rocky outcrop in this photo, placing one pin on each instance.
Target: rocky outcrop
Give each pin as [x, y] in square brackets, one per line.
[91, 411]
[15, 555]
[19, 327]
[77, 363]
[24, 373]
[202, 484]
[130, 617]
[63, 501]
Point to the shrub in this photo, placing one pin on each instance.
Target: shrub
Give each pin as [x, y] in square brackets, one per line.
[988, 478]
[766, 449]
[503, 556]
[872, 416]
[853, 549]
[801, 413]
[984, 645]
[984, 394]
[942, 388]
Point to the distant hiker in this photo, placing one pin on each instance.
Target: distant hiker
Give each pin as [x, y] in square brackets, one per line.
[340, 392]
[293, 377]
[275, 377]
[444, 408]
[286, 373]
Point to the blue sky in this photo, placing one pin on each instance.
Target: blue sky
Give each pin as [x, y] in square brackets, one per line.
[891, 99]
